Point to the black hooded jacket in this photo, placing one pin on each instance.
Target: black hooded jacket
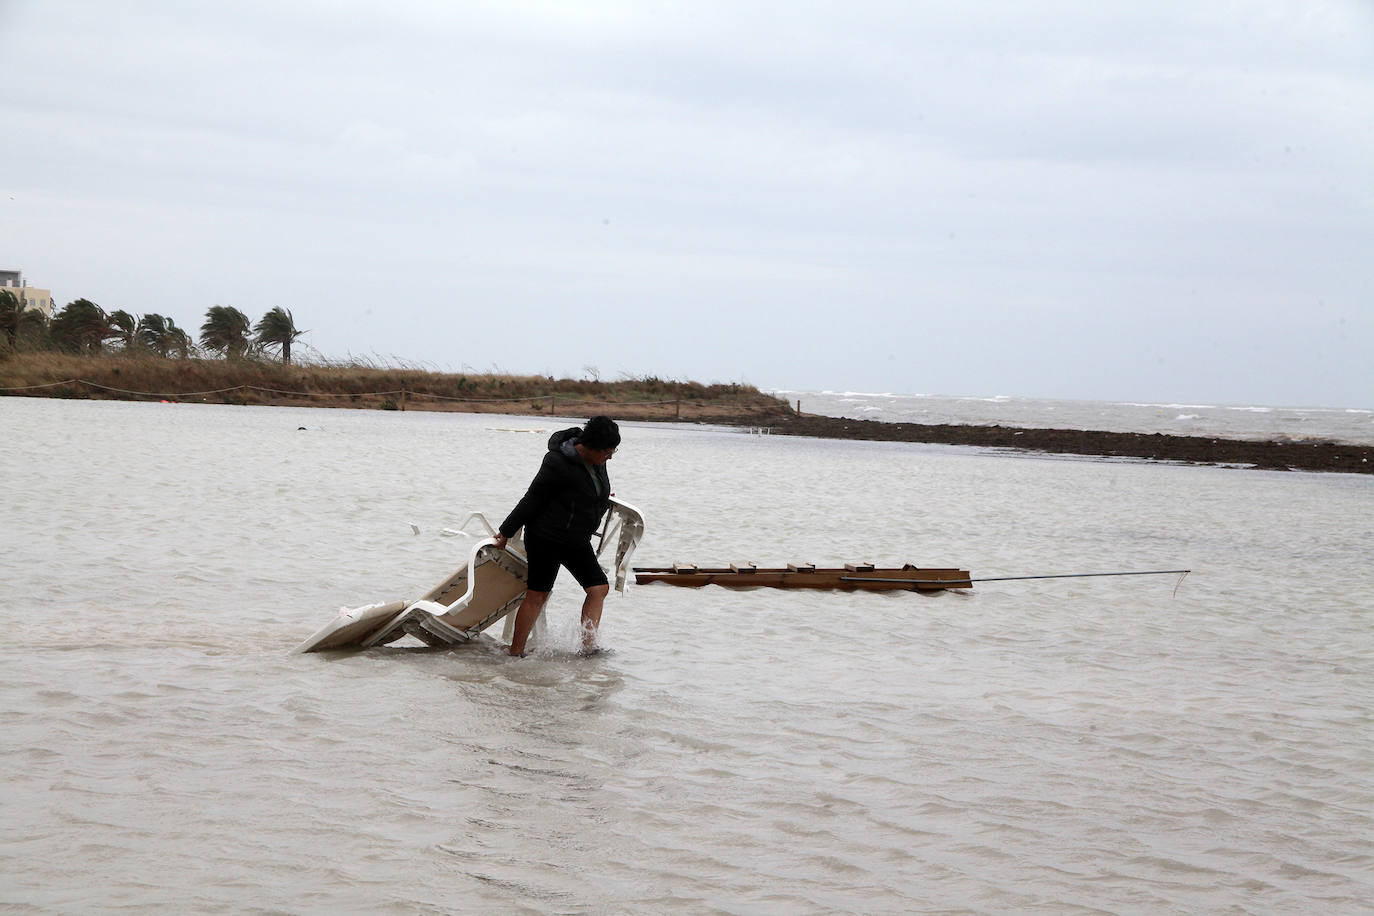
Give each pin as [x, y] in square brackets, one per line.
[562, 502]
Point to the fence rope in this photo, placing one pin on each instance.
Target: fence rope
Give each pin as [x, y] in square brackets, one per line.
[34, 387]
[154, 394]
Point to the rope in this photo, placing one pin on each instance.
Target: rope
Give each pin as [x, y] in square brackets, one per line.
[32, 387]
[1156, 572]
[153, 394]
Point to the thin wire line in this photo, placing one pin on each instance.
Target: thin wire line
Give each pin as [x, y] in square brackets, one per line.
[1154, 572]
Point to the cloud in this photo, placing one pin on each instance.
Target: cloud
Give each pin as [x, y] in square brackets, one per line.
[1093, 176]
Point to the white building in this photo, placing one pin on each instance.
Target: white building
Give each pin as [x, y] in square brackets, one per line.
[30, 297]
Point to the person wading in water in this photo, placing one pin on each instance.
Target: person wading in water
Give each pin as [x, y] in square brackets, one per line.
[560, 512]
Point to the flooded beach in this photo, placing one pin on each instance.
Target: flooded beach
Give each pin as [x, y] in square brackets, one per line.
[1122, 745]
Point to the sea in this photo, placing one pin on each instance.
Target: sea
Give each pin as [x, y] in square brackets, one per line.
[1354, 425]
[1199, 743]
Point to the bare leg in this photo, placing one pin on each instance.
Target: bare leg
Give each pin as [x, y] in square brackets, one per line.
[525, 618]
[591, 614]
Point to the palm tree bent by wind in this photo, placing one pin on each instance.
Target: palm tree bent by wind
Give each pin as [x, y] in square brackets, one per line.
[11, 311]
[123, 327]
[225, 331]
[80, 327]
[277, 329]
[160, 335]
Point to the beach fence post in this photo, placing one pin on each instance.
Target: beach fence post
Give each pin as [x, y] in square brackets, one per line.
[403, 397]
[553, 404]
[677, 406]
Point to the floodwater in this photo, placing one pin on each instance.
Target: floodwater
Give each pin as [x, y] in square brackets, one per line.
[1117, 745]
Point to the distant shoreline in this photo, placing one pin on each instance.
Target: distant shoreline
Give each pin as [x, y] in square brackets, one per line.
[1261, 455]
[653, 399]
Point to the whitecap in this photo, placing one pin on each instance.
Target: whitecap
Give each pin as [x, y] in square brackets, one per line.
[1169, 406]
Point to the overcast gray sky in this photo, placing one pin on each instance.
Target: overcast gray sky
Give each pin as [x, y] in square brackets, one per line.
[1148, 200]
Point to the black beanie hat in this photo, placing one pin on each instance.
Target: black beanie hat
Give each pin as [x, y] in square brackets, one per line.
[600, 433]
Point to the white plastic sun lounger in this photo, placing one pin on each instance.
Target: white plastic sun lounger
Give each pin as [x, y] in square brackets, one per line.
[484, 590]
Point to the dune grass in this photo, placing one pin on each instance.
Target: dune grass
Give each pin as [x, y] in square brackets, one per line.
[366, 384]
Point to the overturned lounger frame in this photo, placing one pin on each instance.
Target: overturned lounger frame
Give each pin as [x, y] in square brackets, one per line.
[486, 589]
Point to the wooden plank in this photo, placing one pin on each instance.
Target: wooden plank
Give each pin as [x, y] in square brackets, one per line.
[853, 577]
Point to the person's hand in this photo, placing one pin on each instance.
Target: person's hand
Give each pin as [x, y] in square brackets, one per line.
[500, 541]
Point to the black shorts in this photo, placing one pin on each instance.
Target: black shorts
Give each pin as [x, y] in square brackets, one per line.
[546, 555]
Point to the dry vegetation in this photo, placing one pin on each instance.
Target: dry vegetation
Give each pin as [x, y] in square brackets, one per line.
[128, 376]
